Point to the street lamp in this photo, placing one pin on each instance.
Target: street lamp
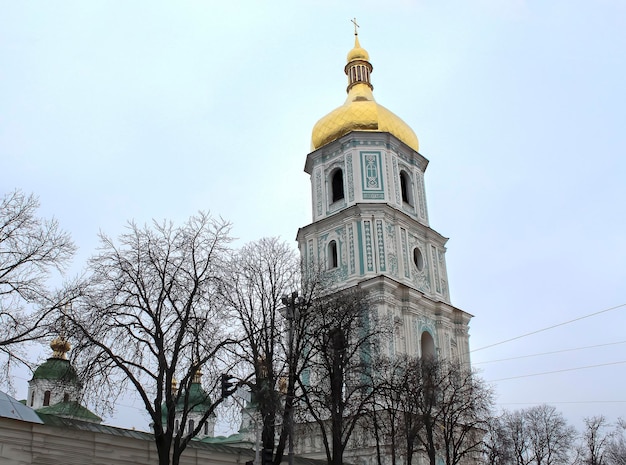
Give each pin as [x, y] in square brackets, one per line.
[292, 305]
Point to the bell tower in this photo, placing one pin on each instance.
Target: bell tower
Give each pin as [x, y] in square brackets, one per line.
[370, 223]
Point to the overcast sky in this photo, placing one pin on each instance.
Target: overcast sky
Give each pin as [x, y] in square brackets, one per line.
[118, 110]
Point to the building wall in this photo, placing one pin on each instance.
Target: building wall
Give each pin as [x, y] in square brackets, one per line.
[58, 389]
[24, 443]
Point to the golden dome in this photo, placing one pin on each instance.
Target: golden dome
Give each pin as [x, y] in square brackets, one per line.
[60, 346]
[360, 112]
[358, 53]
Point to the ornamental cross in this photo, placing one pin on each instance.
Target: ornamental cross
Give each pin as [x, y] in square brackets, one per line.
[353, 21]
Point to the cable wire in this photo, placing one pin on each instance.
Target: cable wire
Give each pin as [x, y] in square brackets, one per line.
[566, 402]
[549, 327]
[558, 371]
[549, 353]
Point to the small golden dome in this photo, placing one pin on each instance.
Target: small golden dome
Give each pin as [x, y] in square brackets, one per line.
[60, 346]
[360, 112]
[358, 53]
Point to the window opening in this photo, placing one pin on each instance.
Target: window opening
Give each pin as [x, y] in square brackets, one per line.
[405, 184]
[46, 398]
[418, 258]
[332, 255]
[428, 346]
[66, 397]
[337, 185]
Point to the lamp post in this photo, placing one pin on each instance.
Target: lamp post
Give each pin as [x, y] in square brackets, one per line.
[292, 305]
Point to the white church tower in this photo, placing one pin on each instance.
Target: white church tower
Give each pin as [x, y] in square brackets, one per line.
[370, 220]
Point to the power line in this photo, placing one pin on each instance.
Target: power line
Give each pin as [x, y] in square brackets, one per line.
[549, 353]
[566, 402]
[549, 327]
[558, 371]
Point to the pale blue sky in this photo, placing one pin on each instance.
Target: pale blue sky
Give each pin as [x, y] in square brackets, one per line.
[117, 110]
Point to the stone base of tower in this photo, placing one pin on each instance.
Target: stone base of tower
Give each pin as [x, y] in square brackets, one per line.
[422, 327]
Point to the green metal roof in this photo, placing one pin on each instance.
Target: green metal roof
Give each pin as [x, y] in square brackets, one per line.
[56, 368]
[199, 400]
[70, 410]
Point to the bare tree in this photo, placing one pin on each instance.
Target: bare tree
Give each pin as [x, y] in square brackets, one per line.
[151, 315]
[31, 248]
[456, 407]
[341, 337]
[515, 426]
[616, 449]
[595, 440]
[540, 435]
[497, 444]
[258, 278]
[401, 403]
[550, 437]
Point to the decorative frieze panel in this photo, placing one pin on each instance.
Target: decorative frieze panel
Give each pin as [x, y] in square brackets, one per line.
[396, 177]
[318, 192]
[372, 176]
[380, 241]
[392, 250]
[369, 256]
[351, 248]
[421, 195]
[435, 262]
[350, 177]
[443, 274]
[405, 253]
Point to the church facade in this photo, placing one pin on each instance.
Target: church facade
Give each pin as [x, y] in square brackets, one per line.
[370, 223]
[370, 230]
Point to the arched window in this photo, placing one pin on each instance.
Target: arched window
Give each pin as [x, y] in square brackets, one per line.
[176, 426]
[46, 398]
[418, 258]
[206, 428]
[66, 397]
[32, 398]
[336, 185]
[332, 255]
[190, 426]
[405, 188]
[428, 346]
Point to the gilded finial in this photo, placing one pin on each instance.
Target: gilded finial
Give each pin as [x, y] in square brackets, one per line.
[60, 347]
[353, 21]
[197, 376]
[174, 386]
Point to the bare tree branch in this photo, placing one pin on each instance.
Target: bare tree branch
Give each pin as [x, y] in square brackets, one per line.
[151, 315]
[31, 249]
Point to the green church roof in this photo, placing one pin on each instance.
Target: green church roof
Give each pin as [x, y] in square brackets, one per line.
[199, 400]
[57, 369]
[70, 409]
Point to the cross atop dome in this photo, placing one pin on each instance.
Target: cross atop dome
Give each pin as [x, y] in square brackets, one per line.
[353, 21]
[360, 112]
